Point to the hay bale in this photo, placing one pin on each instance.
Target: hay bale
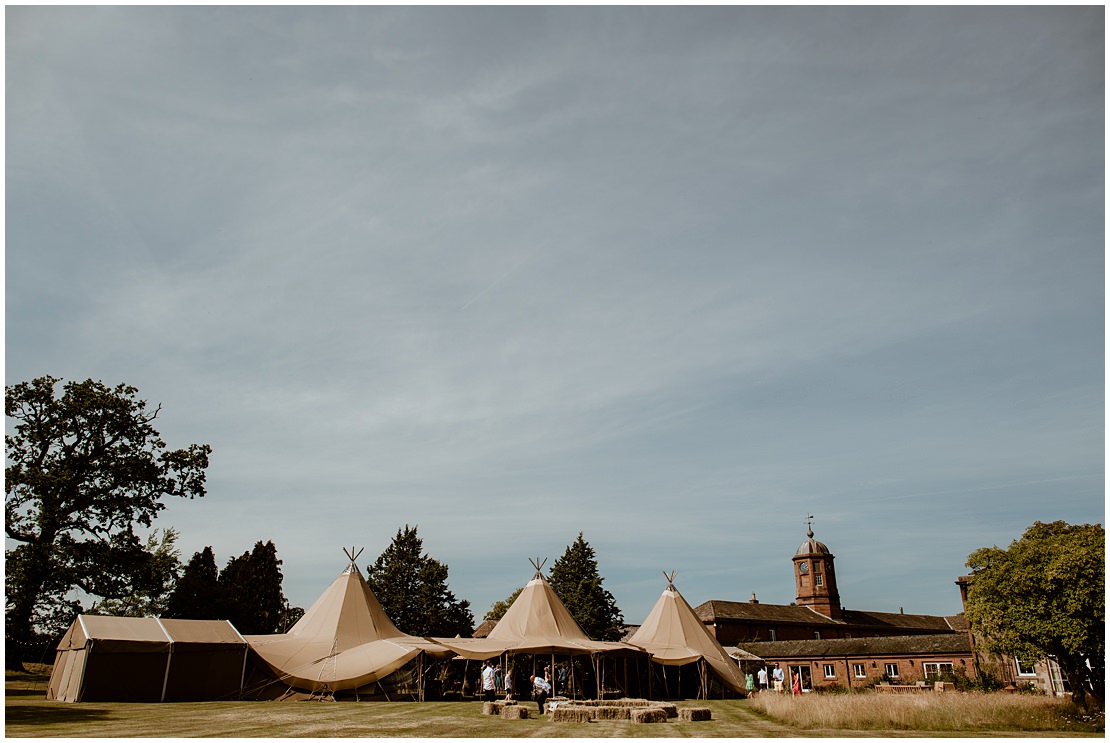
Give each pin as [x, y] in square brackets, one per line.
[647, 714]
[556, 702]
[613, 712]
[514, 712]
[572, 713]
[632, 703]
[491, 708]
[695, 714]
[670, 709]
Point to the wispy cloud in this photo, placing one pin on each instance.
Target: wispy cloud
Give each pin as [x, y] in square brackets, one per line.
[670, 276]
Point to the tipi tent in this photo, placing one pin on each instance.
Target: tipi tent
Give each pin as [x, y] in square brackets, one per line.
[131, 659]
[537, 623]
[675, 636]
[343, 642]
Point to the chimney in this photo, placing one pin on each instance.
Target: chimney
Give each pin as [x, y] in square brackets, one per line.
[754, 599]
[900, 611]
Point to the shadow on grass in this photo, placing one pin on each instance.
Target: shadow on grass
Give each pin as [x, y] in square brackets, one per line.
[36, 715]
[40, 692]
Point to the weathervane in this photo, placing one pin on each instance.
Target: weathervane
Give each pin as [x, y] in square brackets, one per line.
[809, 525]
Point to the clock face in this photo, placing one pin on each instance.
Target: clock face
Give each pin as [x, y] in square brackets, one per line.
[804, 567]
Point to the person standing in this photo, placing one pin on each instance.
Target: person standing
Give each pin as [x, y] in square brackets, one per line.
[541, 690]
[796, 684]
[779, 677]
[762, 678]
[489, 682]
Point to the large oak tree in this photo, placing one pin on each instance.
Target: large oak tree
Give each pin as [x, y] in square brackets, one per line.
[83, 469]
[1046, 595]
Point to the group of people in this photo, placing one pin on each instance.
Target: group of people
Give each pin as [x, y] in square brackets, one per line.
[494, 681]
[778, 678]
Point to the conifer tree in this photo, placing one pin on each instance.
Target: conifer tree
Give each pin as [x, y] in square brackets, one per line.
[577, 582]
[197, 593]
[251, 587]
[412, 588]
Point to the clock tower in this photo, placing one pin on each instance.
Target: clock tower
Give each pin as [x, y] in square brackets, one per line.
[814, 577]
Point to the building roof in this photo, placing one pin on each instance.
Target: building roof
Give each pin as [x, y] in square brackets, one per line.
[778, 613]
[890, 620]
[857, 646]
[484, 628]
[713, 611]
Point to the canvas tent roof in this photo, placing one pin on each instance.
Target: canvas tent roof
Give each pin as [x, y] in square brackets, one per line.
[536, 622]
[344, 641]
[674, 636]
[132, 659]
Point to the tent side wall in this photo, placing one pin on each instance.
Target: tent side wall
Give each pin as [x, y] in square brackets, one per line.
[205, 673]
[65, 679]
[115, 675]
[75, 675]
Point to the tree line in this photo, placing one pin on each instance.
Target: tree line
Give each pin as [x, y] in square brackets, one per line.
[85, 469]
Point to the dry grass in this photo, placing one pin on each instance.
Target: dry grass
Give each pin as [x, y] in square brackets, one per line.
[948, 711]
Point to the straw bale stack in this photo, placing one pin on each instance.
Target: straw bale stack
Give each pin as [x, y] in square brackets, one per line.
[695, 714]
[496, 707]
[670, 709]
[514, 712]
[573, 713]
[613, 712]
[648, 714]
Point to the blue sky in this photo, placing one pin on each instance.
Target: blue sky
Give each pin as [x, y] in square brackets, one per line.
[674, 278]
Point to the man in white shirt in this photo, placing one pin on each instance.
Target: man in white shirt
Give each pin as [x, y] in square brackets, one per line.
[541, 690]
[489, 685]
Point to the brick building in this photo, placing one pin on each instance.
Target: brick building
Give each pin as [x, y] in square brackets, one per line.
[826, 644]
[817, 613]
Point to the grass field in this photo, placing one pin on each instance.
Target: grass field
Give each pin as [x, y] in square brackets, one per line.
[28, 714]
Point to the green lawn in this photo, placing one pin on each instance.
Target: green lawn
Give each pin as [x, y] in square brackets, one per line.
[29, 715]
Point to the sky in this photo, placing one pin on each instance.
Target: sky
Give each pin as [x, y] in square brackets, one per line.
[675, 278]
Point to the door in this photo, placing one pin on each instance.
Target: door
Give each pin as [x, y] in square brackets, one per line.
[807, 679]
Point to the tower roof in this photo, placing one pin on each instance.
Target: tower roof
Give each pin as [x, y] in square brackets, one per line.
[811, 546]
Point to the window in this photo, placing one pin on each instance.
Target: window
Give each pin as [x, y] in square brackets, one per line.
[859, 670]
[816, 634]
[936, 670]
[1025, 667]
[892, 670]
[830, 672]
[847, 635]
[818, 580]
[817, 567]
[771, 634]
